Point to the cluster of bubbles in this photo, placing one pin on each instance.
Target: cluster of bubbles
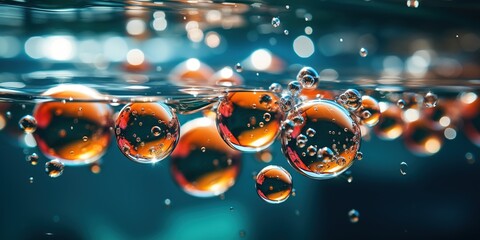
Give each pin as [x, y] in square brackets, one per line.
[320, 132]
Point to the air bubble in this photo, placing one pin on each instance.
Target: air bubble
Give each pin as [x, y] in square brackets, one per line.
[156, 131]
[54, 168]
[350, 99]
[287, 103]
[430, 100]
[137, 141]
[274, 184]
[401, 103]
[319, 115]
[359, 156]
[363, 52]
[294, 88]
[276, 88]
[202, 164]
[403, 168]
[369, 111]
[354, 216]
[308, 77]
[32, 159]
[28, 124]
[55, 117]
[238, 67]
[275, 22]
[311, 132]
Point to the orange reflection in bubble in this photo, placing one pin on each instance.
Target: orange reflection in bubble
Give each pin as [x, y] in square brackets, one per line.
[71, 131]
[249, 121]
[421, 139]
[146, 132]
[202, 163]
[274, 184]
[391, 124]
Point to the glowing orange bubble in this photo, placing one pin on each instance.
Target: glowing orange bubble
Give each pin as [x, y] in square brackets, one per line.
[391, 124]
[324, 142]
[274, 184]
[71, 131]
[249, 121]
[421, 139]
[202, 164]
[146, 132]
[369, 111]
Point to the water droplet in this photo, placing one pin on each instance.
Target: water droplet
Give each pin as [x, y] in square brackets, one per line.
[350, 99]
[32, 159]
[85, 138]
[28, 124]
[285, 32]
[363, 52]
[54, 168]
[203, 149]
[403, 168]
[138, 141]
[354, 216]
[167, 202]
[275, 22]
[430, 100]
[238, 67]
[274, 184]
[401, 103]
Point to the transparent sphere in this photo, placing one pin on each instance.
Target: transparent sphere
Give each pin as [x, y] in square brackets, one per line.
[351, 99]
[421, 139]
[28, 124]
[243, 122]
[391, 124]
[274, 184]
[308, 77]
[146, 132]
[63, 125]
[369, 111]
[202, 164]
[336, 139]
[54, 168]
